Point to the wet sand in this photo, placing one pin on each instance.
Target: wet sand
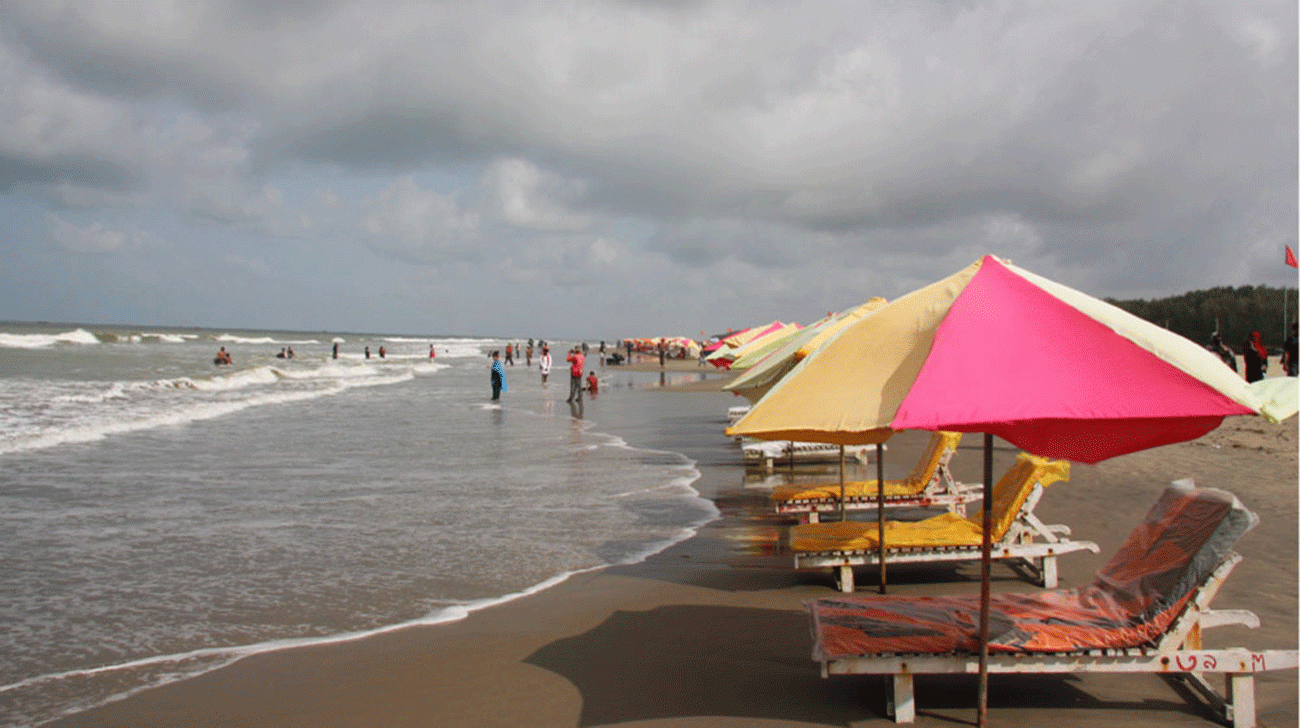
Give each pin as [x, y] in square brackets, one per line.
[712, 631]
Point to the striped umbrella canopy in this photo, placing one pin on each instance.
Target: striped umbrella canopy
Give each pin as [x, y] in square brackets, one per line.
[997, 349]
[725, 354]
[750, 354]
[765, 373]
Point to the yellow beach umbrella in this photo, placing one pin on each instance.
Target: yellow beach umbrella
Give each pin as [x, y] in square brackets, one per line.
[757, 380]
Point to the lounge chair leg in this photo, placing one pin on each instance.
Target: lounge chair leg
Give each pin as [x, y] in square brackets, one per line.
[1241, 699]
[900, 702]
[1048, 571]
[843, 577]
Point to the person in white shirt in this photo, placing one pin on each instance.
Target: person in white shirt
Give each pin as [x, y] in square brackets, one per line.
[545, 364]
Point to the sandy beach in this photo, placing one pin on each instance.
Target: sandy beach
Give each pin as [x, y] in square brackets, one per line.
[712, 631]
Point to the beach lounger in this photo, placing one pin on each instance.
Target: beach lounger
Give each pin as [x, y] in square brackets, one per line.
[1144, 612]
[767, 453]
[735, 413]
[929, 484]
[1017, 535]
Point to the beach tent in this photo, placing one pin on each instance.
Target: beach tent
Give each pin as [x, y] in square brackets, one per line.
[996, 349]
[765, 373]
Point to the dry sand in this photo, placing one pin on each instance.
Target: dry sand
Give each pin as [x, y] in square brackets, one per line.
[712, 631]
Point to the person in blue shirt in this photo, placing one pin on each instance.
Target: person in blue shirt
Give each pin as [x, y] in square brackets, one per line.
[498, 376]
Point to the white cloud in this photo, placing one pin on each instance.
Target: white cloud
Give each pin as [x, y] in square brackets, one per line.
[415, 222]
[96, 237]
[530, 198]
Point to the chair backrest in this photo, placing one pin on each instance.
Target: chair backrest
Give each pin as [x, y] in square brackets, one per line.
[940, 443]
[1011, 492]
[1183, 539]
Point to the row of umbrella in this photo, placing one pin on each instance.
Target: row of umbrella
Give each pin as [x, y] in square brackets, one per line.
[998, 350]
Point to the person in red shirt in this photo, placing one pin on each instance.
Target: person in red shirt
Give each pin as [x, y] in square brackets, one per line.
[576, 360]
[592, 383]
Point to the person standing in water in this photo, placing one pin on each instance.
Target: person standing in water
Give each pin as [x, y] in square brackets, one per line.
[576, 361]
[545, 363]
[498, 376]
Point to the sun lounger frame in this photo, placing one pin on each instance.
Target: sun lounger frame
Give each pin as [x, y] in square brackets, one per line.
[769, 453]
[942, 490]
[1178, 656]
[1018, 544]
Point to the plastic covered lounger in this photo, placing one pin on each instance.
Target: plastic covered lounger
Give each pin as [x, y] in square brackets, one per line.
[929, 484]
[1017, 535]
[1144, 612]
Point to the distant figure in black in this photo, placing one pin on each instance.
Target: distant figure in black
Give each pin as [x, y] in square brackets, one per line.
[1255, 356]
[1216, 346]
[1290, 362]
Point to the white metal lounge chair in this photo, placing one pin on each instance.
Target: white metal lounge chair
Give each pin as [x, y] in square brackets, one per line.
[929, 484]
[1017, 533]
[1145, 612]
[768, 453]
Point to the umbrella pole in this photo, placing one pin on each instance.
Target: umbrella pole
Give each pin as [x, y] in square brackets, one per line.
[880, 509]
[985, 579]
[844, 512]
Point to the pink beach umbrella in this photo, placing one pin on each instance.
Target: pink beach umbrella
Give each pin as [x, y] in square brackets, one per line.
[996, 349]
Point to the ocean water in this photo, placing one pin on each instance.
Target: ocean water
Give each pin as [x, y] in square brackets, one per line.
[161, 516]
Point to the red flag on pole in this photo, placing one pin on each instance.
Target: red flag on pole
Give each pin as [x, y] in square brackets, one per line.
[1290, 257]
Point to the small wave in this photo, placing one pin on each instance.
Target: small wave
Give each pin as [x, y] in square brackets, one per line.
[233, 339]
[167, 338]
[40, 341]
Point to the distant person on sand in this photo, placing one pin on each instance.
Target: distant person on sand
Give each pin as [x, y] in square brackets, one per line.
[1255, 356]
[1216, 346]
[1290, 363]
[498, 376]
[593, 384]
[627, 344]
[663, 352]
[576, 360]
[602, 352]
[545, 363]
[336, 350]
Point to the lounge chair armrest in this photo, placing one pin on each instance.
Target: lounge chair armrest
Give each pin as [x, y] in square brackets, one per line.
[1222, 617]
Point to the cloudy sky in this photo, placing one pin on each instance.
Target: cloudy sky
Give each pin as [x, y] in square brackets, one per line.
[607, 169]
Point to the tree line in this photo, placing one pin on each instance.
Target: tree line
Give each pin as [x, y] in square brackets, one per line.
[1233, 312]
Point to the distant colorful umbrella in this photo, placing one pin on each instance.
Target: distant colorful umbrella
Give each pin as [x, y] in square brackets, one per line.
[763, 375]
[725, 354]
[1002, 351]
[750, 354]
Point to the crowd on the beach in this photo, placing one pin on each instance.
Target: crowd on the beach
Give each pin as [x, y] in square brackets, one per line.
[1254, 355]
